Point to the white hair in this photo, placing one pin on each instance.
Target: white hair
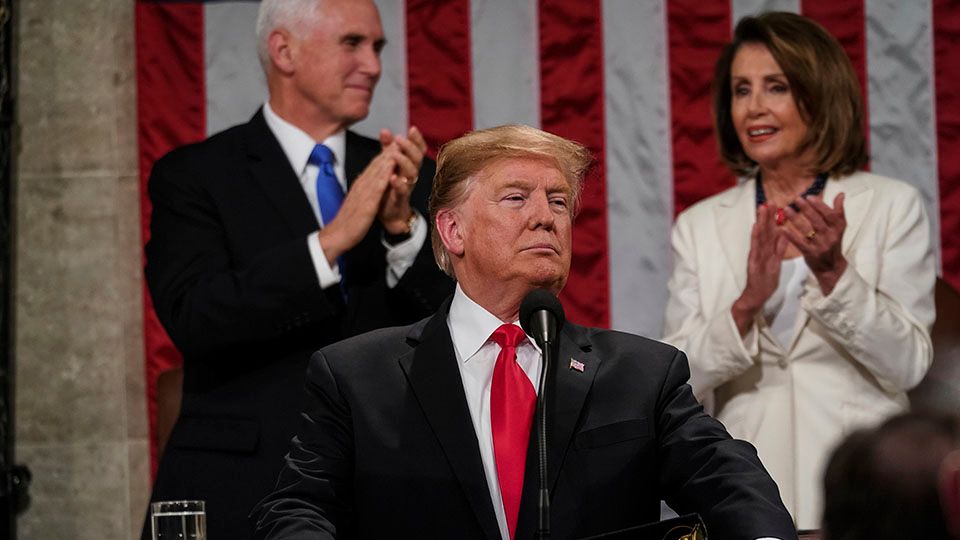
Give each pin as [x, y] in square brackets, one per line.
[291, 15]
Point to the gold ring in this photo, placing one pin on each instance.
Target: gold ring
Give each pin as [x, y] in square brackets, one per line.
[811, 235]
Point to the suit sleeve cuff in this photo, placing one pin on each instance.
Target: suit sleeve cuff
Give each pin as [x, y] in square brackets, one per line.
[327, 275]
[401, 256]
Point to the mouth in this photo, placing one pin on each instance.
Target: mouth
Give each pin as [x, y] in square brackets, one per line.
[542, 248]
[761, 133]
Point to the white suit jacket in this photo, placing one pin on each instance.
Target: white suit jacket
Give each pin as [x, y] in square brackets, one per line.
[854, 353]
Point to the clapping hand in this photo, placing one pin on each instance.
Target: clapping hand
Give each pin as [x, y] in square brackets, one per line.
[816, 230]
[394, 212]
[767, 246]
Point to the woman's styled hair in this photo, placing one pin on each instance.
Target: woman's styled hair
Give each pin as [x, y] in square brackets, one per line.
[822, 83]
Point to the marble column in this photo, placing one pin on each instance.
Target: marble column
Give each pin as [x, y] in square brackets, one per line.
[78, 344]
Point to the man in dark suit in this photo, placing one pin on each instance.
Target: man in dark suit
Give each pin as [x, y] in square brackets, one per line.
[250, 267]
[424, 431]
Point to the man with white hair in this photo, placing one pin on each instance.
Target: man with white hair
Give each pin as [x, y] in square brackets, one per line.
[277, 237]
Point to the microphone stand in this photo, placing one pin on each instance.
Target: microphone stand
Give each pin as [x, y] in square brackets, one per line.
[546, 346]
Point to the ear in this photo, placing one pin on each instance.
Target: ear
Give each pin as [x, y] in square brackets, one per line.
[280, 47]
[450, 228]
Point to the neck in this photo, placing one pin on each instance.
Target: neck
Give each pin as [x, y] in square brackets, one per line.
[305, 116]
[504, 305]
[785, 183]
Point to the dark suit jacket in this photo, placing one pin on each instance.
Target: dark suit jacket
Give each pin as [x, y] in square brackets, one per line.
[233, 284]
[387, 449]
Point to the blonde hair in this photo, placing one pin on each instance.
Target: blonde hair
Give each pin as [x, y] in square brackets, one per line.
[461, 160]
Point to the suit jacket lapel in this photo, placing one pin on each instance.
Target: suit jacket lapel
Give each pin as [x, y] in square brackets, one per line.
[433, 375]
[360, 152]
[856, 203]
[567, 392]
[271, 169]
[734, 216]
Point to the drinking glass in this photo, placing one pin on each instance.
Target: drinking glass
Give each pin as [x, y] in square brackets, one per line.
[178, 520]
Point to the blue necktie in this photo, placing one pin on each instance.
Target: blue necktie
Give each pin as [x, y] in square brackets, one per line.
[329, 192]
[329, 198]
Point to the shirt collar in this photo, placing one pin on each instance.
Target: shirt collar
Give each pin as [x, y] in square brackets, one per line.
[471, 325]
[297, 145]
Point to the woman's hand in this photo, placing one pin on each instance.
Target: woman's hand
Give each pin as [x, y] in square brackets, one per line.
[767, 246]
[817, 232]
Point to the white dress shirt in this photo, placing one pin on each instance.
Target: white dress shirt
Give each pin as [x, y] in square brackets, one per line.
[298, 146]
[470, 329]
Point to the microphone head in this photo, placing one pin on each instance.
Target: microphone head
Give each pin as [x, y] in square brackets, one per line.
[535, 301]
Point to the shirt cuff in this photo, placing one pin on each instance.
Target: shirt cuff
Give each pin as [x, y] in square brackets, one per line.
[327, 275]
[402, 255]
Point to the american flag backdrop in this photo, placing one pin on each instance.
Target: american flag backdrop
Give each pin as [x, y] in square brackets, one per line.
[628, 78]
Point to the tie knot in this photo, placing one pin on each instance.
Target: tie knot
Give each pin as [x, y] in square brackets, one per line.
[508, 336]
[321, 155]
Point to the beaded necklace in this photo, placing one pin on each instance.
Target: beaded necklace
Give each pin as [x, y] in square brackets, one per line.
[815, 189]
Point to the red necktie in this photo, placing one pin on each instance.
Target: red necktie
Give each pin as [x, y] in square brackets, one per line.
[512, 399]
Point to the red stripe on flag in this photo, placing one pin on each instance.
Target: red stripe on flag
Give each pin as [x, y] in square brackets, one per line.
[438, 69]
[846, 20]
[946, 43]
[697, 32]
[571, 103]
[171, 111]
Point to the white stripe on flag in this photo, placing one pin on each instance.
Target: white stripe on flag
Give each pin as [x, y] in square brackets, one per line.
[903, 137]
[505, 63]
[639, 168]
[389, 108]
[234, 80]
[742, 8]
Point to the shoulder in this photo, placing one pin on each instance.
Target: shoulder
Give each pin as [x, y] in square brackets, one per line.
[370, 350]
[211, 153]
[882, 185]
[706, 207]
[889, 198]
[623, 347]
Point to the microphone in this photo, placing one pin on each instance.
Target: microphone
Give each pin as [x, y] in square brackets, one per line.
[541, 317]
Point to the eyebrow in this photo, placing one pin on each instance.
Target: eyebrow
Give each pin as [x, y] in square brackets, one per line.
[768, 77]
[521, 184]
[350, 36]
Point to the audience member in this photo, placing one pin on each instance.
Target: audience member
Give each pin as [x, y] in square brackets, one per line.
[894, 482]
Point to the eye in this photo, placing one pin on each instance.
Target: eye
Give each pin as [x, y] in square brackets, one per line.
[741, 90]
[780, 89]
[352, 42]
[559, 201]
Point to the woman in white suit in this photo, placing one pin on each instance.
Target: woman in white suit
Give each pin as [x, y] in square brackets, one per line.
[803, 297]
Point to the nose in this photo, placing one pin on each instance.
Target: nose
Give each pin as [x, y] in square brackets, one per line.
[370, 62]
[541, 215]
[755, 104]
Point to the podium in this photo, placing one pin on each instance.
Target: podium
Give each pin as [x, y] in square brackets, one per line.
[687, 527]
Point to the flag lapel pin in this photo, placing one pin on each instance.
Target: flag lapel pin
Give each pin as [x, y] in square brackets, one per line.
[576, 365]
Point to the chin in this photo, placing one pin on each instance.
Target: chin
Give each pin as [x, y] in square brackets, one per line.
[551, 279]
